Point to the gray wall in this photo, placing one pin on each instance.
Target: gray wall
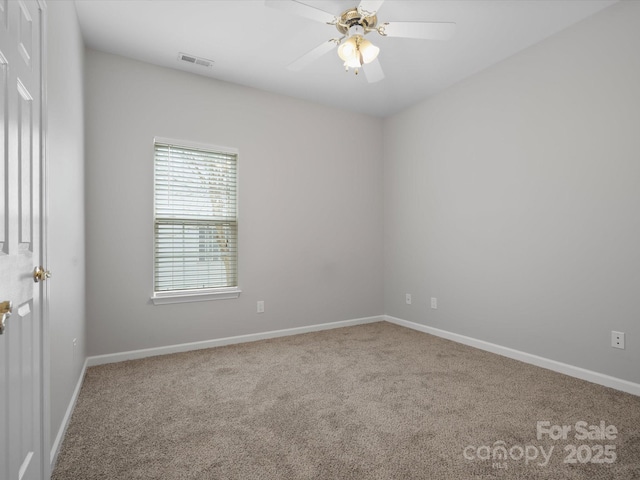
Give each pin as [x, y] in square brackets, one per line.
[65, 150]
[514, 198]
[310, 206]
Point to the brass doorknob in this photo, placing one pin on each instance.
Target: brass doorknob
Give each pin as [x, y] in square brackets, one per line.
[40, 274]
[5, 312]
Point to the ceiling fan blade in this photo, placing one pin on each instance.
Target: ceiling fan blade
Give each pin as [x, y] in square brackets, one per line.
[312, 56]
[420, 30]
[369, 6]
[373, 71]
[302, 10]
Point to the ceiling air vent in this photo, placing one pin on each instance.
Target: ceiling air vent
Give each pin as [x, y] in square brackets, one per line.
[203, 62]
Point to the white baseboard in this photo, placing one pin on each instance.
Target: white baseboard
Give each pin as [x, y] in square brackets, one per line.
[219, 342]
[572, 371]
[57, 443]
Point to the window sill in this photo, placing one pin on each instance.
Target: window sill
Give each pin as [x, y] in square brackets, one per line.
[166, 298]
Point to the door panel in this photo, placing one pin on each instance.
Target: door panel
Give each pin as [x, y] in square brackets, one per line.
[25, 166]
[22, 445]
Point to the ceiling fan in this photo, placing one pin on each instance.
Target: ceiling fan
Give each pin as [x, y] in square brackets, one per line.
[354, 24]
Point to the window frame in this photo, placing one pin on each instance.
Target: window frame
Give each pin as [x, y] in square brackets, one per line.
[195, 295]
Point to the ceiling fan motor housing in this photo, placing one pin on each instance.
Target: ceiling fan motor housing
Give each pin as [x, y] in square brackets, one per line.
[352, 17]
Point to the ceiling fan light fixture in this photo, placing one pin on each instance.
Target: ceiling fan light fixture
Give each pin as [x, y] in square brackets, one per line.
[356, 51]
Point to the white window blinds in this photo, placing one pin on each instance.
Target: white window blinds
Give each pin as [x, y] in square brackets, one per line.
[195, 221]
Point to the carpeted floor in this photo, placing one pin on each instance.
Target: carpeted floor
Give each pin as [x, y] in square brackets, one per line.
[375, 401]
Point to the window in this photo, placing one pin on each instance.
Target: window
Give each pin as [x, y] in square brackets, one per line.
[195, 222]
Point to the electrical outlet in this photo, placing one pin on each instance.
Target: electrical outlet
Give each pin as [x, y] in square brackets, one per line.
[260, 308]
[434, 302]
[408, 298]
[617, 340]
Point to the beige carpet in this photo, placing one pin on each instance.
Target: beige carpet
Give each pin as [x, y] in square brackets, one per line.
[375, 401]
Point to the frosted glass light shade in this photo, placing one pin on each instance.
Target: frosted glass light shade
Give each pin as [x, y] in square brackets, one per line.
[348, 49]
[356, 51]
[369, 51]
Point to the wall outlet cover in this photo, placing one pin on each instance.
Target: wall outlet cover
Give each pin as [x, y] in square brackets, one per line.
[617, 340]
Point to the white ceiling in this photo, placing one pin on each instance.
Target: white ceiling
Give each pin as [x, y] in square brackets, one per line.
[251, 44]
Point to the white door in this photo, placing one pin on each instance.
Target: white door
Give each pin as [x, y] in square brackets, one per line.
[22, 414]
